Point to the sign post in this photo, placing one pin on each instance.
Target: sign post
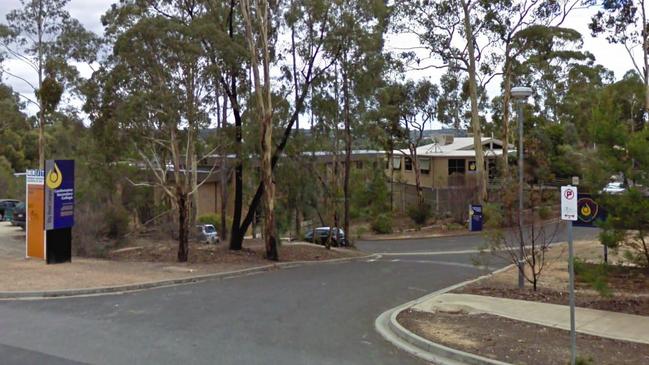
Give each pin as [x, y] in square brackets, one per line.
[59, 210]
[34, 215]
[569, 214]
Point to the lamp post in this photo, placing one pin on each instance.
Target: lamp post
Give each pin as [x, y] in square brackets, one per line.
[520, 94]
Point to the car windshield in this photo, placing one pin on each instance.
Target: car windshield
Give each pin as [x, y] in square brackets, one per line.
[209, 229]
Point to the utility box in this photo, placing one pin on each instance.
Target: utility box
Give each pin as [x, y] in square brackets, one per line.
[475, 218]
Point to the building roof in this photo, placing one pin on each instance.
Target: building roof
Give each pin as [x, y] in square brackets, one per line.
[459, 147]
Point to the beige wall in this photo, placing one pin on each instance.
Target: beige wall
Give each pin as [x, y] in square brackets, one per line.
[207, 198]
[437, 177]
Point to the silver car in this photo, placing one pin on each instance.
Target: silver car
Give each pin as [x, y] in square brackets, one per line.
[207, 233]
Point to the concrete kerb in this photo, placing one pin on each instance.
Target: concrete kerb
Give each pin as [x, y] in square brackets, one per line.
[388, 326]
[118, 289]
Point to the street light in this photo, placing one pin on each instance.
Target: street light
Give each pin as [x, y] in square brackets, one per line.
[521, 93]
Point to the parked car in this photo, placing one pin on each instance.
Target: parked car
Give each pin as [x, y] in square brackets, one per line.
[614, 188]
[207, 233]
[19, 215]
[7, 204]
[322, 233]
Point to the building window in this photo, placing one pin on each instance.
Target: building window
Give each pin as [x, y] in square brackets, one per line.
[424, 166]
[396, 163]
[456, 166]
[408, 164]
[359, 164]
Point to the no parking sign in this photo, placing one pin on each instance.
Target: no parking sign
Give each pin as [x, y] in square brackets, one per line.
[569, 203]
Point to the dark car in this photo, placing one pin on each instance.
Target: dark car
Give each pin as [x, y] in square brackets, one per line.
[7, 206]
[322, 233]
[19, 215]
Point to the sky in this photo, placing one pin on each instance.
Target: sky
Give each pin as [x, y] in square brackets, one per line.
[88, 12]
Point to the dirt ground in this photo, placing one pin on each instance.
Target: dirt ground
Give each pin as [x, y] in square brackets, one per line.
[147, 262]
[629, 286]
[146, 250]
[403, 229]
[518, 342]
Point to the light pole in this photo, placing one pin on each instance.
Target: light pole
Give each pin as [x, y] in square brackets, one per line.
[520, 94]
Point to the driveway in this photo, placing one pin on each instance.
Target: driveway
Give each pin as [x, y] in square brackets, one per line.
[12, 241]
[316, 314]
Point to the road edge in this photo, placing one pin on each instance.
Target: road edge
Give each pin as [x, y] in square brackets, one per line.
[119, 289]
[389, 328]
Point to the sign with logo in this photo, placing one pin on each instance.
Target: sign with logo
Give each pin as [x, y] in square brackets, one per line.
[589, 211]
[472, 166]
[59, 194]
[475, 218]
[34, 217]
[569, 203]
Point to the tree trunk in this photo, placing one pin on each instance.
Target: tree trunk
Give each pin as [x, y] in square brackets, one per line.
[645, 54]
[224, 178]
[475, 112]
[298, 223]
[183, 225]
[415, 166]
[270, 239]
[41, 112]
[507, 86]
[348, 151]
[236, 233]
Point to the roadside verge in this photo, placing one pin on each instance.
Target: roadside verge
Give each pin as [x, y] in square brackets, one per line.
[118, 289]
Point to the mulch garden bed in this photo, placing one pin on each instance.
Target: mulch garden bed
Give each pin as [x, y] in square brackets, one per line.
[629, 292]
[518, 342]
[200, 253]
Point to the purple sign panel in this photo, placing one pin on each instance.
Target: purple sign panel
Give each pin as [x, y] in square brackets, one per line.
[59, 194]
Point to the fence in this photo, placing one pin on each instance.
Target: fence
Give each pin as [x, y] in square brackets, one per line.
[451, 201]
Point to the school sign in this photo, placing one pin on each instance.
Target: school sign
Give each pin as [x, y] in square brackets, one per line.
[50, 217]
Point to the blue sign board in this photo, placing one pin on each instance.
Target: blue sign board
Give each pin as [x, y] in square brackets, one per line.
[475, 218]
[588, 211]
[59, 194]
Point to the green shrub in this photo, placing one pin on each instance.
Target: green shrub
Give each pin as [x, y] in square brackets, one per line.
[116, 220]
[214, 219]
[596, 275]
[420, 213]
[583, 361]
[382, 223]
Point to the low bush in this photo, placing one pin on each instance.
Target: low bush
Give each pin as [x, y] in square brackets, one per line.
[596, 275]
[116, 220]
[420, 213]
[382, 224]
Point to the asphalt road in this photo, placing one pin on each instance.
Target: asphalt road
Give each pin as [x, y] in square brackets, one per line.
[316, 314]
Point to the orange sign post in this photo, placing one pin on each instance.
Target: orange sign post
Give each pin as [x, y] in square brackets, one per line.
[35, 215]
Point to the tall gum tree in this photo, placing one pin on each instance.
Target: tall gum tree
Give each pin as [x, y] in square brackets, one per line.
[158, 82]
[627, 23]
[42, 35]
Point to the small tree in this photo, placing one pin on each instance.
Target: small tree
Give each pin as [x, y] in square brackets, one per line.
[627, 225]
[532, 233]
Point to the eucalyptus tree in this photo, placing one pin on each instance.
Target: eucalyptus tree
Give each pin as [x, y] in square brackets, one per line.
[452, 31]
[158, 83]
[356, 48]
[627, 23]
[43, 36]
[416, 105]
[508, 22]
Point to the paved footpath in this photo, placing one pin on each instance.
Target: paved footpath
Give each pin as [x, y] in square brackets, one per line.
[618, 326]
